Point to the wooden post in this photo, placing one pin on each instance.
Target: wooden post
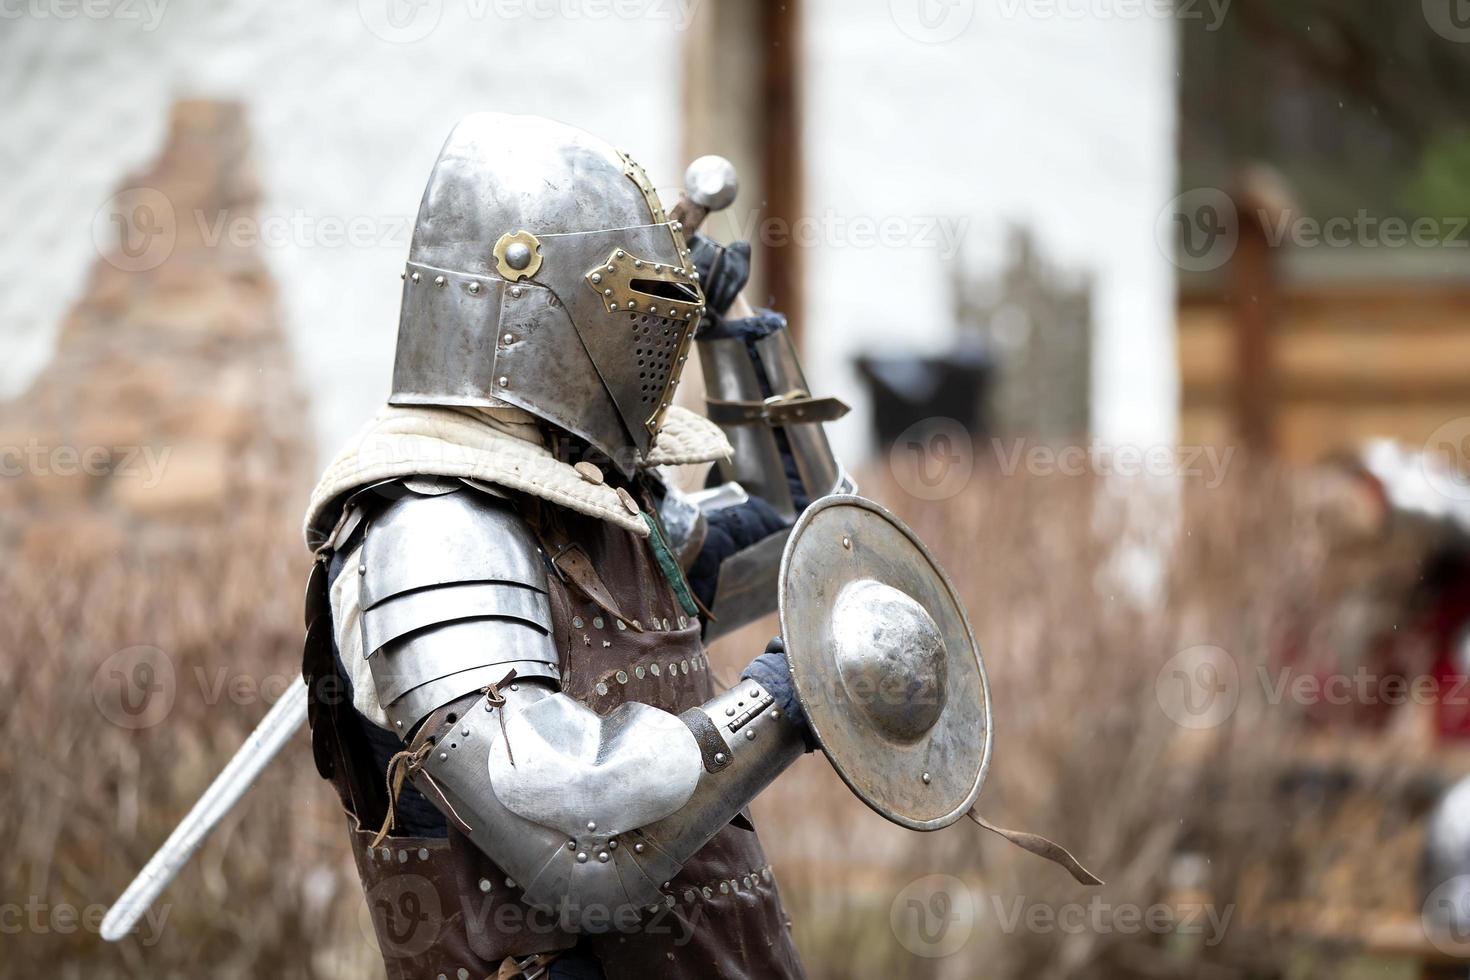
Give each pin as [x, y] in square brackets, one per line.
[1254, 299]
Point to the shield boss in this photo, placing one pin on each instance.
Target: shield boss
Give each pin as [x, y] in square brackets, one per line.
[884, 663]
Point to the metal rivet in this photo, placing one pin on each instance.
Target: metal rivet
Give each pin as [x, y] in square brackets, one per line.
[581, 857]
[638, 848]
[592, 825]
[730, 711]
[462, 974]
[724, 888]
[504, 381]
[362, 569]
[576, 622]
[598, 622]
[597, 277]
[402, 857]
[620, 253]
[601, 689]
[515, 292]
[440, 280]
[518, 255]
[654, 669]
[622, 677]
[443, 755]
[613, 307]
[720, 757]
[749, 734]
[484, 884]
[755, 692]
[510, 883]
[638, 673]
[602, 856]
[847, 543]
[423, 854]
[612, 844]
[926, 778]
[415, 277]
[465, 732]
[622, 625]
[509, 338]
[474, 287]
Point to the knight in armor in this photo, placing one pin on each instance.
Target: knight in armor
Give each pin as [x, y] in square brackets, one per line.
[508, 611]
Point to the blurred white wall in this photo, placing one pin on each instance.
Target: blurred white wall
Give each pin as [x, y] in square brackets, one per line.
[932, 122]
[348, 108]
[1055, 114]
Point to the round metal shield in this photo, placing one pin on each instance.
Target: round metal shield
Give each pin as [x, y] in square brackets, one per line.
[885, 663]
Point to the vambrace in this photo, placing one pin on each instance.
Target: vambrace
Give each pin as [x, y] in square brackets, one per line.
[591, 816]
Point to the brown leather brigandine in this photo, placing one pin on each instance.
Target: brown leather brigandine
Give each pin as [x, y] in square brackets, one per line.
[440, 907]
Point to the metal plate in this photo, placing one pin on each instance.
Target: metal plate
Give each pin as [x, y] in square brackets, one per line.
[885, 663]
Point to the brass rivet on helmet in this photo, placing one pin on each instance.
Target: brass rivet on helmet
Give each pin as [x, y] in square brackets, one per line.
[518, 255]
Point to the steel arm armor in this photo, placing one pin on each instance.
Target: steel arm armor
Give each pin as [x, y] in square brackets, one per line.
[590, 815]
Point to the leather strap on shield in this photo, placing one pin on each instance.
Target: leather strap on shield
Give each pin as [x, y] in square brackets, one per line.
[1041, 847]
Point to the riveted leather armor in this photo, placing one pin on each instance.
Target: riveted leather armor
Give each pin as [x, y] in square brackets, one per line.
[716, 913]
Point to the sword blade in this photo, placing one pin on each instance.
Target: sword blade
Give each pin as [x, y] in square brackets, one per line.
[234, 780]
